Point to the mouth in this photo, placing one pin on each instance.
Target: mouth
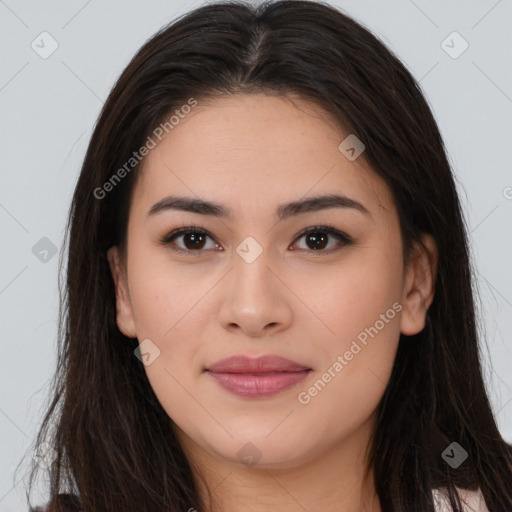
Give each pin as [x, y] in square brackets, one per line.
[257, 377]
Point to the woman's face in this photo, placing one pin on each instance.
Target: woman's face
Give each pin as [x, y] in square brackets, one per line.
[255, 285]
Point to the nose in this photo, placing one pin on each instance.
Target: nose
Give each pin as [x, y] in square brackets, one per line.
[255, 298]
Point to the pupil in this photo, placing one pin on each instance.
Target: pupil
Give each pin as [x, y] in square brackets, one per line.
[195, 238]
[315, 237]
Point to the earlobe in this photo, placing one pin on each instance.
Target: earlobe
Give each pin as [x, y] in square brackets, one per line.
[419, 287]
[124, 313]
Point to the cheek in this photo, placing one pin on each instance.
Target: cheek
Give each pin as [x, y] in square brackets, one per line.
[359, 303]
[163, 294]
[354, 294]
[161, 310]
[176, 324]
[356, 362]
[170, 316]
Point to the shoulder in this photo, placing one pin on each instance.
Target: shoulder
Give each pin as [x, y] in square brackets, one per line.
[473, 501]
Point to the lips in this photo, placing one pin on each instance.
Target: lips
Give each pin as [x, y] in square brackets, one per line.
[257, 378]
[263, 364]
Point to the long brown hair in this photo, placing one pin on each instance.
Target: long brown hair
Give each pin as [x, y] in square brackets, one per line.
[115, 448]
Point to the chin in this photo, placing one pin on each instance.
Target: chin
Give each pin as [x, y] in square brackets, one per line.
[264, 453]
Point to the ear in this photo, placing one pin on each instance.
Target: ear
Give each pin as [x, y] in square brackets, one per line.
[419, 285]
[125, 320]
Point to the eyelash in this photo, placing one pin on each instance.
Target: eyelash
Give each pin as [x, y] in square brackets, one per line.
[326, 228]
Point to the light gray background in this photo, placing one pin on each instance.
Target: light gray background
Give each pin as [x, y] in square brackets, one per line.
[49, 106]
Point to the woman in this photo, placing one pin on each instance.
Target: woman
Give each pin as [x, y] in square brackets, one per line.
[269, 302]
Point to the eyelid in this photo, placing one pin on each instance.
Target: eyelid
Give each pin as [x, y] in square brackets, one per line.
[328, 228]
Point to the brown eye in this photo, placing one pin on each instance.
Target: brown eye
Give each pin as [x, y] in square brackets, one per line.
[193, 239]
[318, 240]
[319, 237]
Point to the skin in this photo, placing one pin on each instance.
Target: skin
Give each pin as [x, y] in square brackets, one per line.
[252, 153]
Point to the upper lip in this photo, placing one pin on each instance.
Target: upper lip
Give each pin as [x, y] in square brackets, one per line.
[262, 364]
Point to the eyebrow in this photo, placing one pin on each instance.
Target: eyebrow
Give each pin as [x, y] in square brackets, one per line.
[284, 211]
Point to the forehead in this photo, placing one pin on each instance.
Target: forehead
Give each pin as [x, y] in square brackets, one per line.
[256, 149]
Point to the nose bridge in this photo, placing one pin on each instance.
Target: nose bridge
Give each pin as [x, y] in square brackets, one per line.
[251, 263]
[254, 299]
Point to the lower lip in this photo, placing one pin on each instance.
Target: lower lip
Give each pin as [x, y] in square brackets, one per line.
[258, 386]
